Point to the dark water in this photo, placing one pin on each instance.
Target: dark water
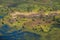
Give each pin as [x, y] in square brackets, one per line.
[1, 16]
[15, 35]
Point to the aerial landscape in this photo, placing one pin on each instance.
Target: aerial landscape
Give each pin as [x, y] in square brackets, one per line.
[29, 19]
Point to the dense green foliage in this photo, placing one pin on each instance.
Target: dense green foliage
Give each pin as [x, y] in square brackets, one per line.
[7, 6]
[31, 5]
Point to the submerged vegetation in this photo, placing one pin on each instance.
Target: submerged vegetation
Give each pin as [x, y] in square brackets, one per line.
[30, 19]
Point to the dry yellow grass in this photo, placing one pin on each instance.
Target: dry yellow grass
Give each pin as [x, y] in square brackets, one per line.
[14, 14]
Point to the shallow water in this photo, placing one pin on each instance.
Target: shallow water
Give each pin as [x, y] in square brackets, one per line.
[17, 34]
[1, 16]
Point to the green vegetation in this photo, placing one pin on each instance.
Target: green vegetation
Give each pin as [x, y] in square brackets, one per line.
[30, 5]
[48, 26]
